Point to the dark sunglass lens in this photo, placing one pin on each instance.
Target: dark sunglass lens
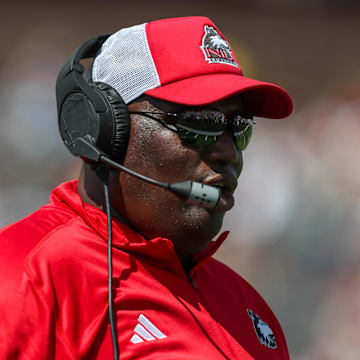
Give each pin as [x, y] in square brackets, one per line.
[200, 128]
[242, 132]
[242, 139]
[195, 137]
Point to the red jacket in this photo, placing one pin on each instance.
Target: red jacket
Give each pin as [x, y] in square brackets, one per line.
[53, 294]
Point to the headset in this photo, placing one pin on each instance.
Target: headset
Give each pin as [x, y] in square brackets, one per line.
[94, 123]
[92, 110]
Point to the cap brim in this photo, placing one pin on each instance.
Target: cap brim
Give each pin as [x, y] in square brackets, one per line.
[260, 98]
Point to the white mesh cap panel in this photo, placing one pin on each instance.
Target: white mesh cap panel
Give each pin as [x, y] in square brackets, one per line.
[125, 63]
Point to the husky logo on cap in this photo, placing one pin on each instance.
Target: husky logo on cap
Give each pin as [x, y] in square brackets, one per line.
[263, 330]
[216, 49]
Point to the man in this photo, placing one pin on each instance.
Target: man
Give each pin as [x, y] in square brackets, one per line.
[176, 90]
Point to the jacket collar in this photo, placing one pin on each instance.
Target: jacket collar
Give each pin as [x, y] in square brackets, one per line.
[158, 249]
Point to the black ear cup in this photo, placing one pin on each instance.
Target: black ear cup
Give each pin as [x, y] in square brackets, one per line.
[78, 119]
[91, 111]
[121, 121]
[108, 130]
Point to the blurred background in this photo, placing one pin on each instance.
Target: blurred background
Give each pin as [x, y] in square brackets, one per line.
[295, 227]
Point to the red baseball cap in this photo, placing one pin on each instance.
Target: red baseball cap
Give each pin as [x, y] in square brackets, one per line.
[183, 60]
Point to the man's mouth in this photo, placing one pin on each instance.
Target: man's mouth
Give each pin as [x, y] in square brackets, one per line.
[225, 182]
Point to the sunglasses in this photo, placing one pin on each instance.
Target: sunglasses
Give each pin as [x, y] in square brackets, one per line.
[202, 128]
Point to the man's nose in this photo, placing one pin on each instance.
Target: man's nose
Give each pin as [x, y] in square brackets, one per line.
[224, 152]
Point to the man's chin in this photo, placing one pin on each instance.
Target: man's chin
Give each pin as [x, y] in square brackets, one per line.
[204, 223]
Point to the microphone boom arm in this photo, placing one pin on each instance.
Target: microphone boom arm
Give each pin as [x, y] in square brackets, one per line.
[190, 191]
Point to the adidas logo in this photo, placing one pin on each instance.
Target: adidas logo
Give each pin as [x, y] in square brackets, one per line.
[145, 330]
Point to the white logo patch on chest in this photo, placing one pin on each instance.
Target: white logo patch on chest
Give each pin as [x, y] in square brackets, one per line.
[145, 330]
[262, 330]
[215, 48]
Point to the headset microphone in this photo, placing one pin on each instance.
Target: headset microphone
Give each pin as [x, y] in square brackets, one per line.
[190, 191]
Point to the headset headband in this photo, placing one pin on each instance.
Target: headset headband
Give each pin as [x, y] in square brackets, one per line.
[71, 78]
